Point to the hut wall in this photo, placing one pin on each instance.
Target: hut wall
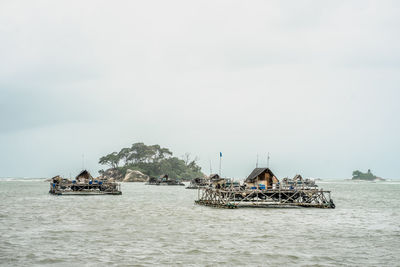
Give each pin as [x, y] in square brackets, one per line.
[250, 184]
[265, 178]
[268, 180]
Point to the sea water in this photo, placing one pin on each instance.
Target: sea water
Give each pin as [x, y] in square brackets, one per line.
[161, 225]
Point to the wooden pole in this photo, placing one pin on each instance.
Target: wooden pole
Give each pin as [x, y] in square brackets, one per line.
[220, 159]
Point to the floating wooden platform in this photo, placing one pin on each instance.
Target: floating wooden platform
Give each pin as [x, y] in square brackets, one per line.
[192, 187]
[165, 183]
[267, 198]
[84, 193]
[196, 183]
[65, 187]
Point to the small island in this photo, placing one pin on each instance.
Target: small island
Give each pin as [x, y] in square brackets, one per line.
[368, 176]
[142, 163]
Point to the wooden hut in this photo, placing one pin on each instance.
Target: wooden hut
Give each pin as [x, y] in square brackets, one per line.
[216, 181]
[213, 176]
[163, 177]
[84, 177]
[297, 177]
[198, 182]
[152, 180]
[260, 178]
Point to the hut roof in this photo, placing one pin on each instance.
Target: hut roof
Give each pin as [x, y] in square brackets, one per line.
[163, 176]
[84, 174]
[214, 176]
[258, 171]
[152, 179]
[216, 181]
[298, 177]
[198, 179]
[56, 178]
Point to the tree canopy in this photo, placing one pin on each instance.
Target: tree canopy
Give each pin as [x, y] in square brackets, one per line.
[152, 160]
[111, 160]
[358, 175]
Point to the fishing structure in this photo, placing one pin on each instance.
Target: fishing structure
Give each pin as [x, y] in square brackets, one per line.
[164, 180]
[84, 184]
[198, 182]
[263, 189]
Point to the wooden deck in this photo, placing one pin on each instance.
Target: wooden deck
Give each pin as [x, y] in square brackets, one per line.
[269, 198]
[84, 193]
[84, 189]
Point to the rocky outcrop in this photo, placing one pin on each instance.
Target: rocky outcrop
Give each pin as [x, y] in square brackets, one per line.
[112, 174]
[135, 176]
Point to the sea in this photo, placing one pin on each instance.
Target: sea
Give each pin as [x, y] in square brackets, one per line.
[161, 225]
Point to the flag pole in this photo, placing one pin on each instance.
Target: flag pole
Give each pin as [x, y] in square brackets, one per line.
[220, 159]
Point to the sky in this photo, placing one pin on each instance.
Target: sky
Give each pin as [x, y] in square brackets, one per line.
[314, 83]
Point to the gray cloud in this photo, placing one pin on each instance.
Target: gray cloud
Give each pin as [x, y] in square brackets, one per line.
[315, 84]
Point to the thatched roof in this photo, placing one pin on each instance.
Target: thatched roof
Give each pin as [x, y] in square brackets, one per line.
[217, 181]
[84, 175]
[213, 176]
[199, 180]
[298, 177]
[56, 178]
[257, 172]
[152, 179]
[163, 176]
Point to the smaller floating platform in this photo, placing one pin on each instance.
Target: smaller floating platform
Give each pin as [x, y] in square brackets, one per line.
[196, 183]
[164, 180]
[83, 185]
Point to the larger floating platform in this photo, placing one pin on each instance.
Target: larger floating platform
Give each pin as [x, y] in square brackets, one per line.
[264, 198]
[263, 190]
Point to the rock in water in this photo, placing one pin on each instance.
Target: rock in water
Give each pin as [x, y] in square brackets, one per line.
[112, 173]
[135, 176]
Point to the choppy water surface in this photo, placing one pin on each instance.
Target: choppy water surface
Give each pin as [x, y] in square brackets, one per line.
[150, 225]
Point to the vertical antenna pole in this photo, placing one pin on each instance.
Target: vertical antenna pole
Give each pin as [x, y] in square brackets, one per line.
[220, 159]
[268, 161]
[257, 162]
[83, 161]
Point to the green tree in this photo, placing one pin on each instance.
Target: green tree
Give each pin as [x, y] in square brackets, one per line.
[159, 153]
[153, 160]
[111, 160]
[140, 153]
[124, 154]
[358, 175]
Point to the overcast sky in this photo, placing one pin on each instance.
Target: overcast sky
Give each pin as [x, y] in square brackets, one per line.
[315, 83]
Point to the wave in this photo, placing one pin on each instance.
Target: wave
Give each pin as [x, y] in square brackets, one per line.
[9, 179]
